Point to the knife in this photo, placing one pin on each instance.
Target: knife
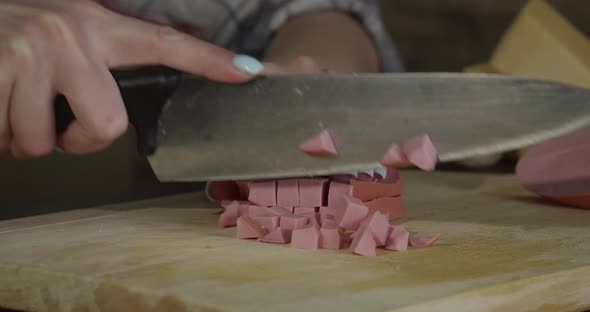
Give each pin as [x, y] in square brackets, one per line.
[192, 129]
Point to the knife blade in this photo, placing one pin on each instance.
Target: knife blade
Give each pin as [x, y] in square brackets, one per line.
[214, 131]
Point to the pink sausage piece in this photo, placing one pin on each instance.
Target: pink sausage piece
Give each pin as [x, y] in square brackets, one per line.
[244, 188]
[268, 221]
[421, 152]
[314, 217]
[380, 174]
[350, 212]
[369, 190]
[336, 191]
[254, 210]
[249, 229]
[311, 217]
[397, 239]
[230, 215]
[365, 176]
[227, 203]
[244, 208]
[558, 169]
[277, 236]
[307, 237]
[330, 238]
[346, 240]
[263, 193]
[378, 224]
[421, 242]
[363, 243]
[325, 212]
[223, 190]
[288, 193]
[280, 211]
[341, 178]
[329, 221]
[391, 176]
[293, 222]
[226, 220]
[395, 158]
[319, 145]
[304, 210]
[312, 192]
[392, 206]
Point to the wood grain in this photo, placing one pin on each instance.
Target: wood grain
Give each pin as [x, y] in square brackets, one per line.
[500, 250]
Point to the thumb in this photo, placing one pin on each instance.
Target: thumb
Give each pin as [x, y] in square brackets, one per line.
[135, 42]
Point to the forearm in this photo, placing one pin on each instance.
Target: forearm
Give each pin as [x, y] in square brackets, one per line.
[335, 40]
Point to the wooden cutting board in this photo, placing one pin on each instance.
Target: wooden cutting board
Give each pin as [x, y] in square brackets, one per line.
[500, 250]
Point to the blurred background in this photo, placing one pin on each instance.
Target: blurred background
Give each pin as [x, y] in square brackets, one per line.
[447, 35]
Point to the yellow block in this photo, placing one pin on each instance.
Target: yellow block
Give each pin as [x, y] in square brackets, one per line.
[542, 44]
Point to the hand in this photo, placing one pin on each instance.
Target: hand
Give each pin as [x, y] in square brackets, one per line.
[67, 46]
[302, 65]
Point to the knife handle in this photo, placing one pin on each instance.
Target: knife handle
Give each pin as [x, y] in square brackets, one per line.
[144, 90]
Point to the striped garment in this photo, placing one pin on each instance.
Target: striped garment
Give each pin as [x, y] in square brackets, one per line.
[246, 26]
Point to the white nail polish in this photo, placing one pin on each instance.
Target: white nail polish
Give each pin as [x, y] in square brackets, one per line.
[248, 64]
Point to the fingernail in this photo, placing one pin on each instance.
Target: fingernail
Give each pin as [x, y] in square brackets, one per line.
[248, 64]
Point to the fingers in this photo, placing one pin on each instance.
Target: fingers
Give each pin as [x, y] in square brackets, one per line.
[42, 53]
[145, 43]
[26, 112]
[32, 124]
[96, 102]
[302, 65]
[272, 69]
[101, 127]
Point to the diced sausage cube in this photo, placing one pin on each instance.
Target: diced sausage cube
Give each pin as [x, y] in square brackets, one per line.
[363, 243]
[293, 222]
[421, 152]
[304, 210]
[370, 190]
[263, 193]
[307, 237]
[312, 192]
[397, 239]
[395, 157]
[392, 206]
[268, 221]
[378, 224]
[421, 242]
[288, 193]
[320, 145]
[249, 229]
[230, 214]
[336, 191]
[350, 212]
[277, 236]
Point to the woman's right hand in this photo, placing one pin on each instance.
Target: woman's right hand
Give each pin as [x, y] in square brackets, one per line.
[67, 46]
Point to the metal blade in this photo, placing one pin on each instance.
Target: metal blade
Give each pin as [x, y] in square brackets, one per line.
[212, 131]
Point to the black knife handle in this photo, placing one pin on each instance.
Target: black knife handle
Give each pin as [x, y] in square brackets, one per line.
[144, 90]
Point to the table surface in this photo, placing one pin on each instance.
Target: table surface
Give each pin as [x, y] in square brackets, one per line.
[501, 249]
